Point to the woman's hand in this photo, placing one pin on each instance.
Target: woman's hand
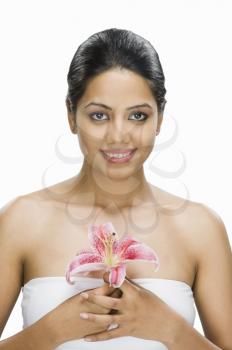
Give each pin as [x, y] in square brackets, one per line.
[105, 290]
[140, 313]
[65, 320]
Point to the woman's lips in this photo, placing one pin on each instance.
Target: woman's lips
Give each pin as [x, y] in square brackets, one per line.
[118, 150]
[112, 159]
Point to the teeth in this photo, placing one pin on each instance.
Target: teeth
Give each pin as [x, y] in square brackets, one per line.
[117, 155]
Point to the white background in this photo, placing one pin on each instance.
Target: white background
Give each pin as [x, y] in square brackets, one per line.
[193, 40]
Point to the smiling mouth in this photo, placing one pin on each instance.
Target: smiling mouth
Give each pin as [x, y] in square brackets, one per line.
[122, 157]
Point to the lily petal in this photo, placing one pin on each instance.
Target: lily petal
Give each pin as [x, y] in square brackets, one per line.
[98, 234]
[117, 275]
[123, 244]
[141, 251]
[83, 269]
[84, 260]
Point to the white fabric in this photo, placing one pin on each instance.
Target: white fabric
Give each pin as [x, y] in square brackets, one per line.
[42, 294]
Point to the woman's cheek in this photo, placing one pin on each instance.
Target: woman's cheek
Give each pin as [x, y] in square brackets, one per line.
[145, 142]
[89, 137]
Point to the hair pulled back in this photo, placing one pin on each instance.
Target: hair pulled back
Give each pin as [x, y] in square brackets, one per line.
[115, 48]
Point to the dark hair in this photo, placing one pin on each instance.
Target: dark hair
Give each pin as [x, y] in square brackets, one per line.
[113, 48]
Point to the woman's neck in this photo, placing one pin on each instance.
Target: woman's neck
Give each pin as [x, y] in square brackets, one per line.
[109, 192]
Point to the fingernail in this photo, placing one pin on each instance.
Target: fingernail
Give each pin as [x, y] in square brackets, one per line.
[84, 315]
[85, 295]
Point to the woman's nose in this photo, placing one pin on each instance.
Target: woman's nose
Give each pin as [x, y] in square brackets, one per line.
[119, 131]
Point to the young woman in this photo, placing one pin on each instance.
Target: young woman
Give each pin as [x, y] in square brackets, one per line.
[115, 105]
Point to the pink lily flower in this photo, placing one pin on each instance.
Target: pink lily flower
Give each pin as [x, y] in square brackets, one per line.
[110, 254]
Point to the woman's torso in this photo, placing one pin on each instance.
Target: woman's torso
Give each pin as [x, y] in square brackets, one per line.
[56, 228]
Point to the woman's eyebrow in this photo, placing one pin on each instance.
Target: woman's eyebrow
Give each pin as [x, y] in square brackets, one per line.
[107, 107]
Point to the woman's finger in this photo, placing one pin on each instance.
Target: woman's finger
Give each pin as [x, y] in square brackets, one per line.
[114, 333]
[105, 289]
[104, 320]
[105, 301]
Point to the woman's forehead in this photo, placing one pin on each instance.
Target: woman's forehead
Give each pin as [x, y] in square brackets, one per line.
[114, 88]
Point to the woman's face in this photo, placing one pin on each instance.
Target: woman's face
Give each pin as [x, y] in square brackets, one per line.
[118, 125]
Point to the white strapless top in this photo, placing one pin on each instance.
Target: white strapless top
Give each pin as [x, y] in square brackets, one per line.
[42, 294]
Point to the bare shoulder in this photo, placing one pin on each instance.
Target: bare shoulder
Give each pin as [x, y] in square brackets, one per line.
[198, 221]
[207, 229]
[15, 217]
[206, 239]
[20, 208]
[20, 216]
[17, 223]
[201, 225]
[15, 220]
[13, 228]
[212, 288]
[12, 215]
[32, 210]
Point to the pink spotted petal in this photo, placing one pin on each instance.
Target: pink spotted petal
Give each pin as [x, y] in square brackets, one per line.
[99, 233]
[83, 270]
[141, 252]
[123, 244]
[87, 261]
[117, 275]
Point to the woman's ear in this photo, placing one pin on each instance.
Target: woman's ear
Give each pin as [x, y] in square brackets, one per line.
[71, 116]
[160, 119]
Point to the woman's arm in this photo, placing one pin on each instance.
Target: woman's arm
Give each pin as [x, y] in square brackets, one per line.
[40, 335]
[212, 286]
[184, 337]
[11, 258]
[61, 324]
[11, 262]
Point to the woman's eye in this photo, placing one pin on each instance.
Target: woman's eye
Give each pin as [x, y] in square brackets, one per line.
[139, 114]
[97, 114]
